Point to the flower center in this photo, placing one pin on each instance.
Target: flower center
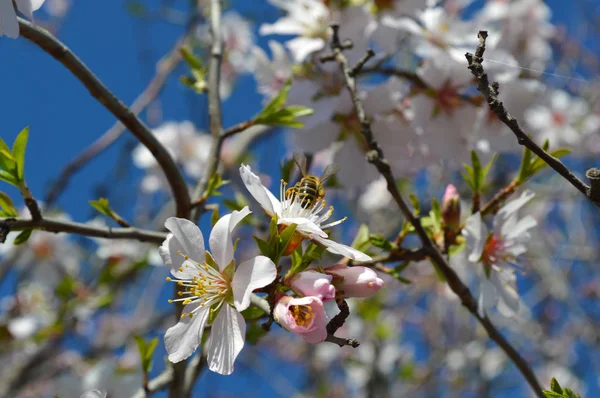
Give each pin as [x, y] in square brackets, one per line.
[492, 251]
[208, 287]
[558, 118]
[303, 314]
[42, 249]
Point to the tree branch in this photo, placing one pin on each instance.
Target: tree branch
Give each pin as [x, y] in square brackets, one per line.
[163, 69]
[45, 224]
[376, 157]
[490, 92]
[98, 90]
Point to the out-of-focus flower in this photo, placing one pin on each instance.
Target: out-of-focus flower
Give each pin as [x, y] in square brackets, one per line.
[214, 288]
[57, 8]
[304, 316]
[9, 26]
[313, 283]
[310, 221]
[562, 119]
[495, 251]
[31, 309]
[271, 75]
[94, 394]
[355, 281]
[186, 145]
[309, 19]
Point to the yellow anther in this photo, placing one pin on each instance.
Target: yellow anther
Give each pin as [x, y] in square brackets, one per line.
[180, 294]
[178, 251]
[170, 301]
[187, 301]
[180, 283]
[168, 279]
[184, 315]
[186, 258]
[180, 269]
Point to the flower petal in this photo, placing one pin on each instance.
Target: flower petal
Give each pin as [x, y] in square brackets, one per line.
[182, 339]
[304, 225]
[342, 249]
[221, 246]
[187, 238]
[475, 232]
[24, 7]
[8, 19]
[257, 189]
[226, 340]
[250, 275]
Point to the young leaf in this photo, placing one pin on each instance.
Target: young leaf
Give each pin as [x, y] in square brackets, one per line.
[361, 240]
[476, 164]
[6, 204]
[274, 114]
[263, 246]
[286, 236]
[9, 177]
[23, 236]
[18, 152]
[102, 206]
[215, 216]
[382, 243]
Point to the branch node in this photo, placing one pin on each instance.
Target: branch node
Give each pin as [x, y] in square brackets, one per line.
[593, 175]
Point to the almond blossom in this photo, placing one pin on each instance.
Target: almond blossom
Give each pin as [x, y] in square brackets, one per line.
[493, 252]
[9, 25]
[304, 316]
[215, 290]
[562, 119]
[271, 75]
[354, 281]
[310, 221]
[313, 283]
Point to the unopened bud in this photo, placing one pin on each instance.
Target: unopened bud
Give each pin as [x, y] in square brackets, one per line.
[451, 208]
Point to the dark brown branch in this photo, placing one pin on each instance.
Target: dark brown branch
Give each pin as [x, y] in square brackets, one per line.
[163, 69]
[45, 224]
[376, 157]
[98, 90]
[490, 92]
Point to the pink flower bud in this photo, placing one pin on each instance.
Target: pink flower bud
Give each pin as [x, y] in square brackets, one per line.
[304, 316]
[451, 208]
[355, 281]
[313, 283]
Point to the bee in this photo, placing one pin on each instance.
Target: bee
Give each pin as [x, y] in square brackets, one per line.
[309, 190]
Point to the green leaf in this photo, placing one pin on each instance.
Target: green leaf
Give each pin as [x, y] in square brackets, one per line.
[214, 183]
[146, 349]
[251, 313]
[554, 385]
[313, 252]
[286, 170]
[285, 237]
[102, 206]
[263, 246]
[538, 164]
[273, 229]
[382, 243]
[23, 236]
[9, 177]
[414, 201]
[552, 394]
[18, 152]
[65, 288]
[274, 114]
[215, 216]
[6, 204]
[487, 168]
[436, 216]
[361, 241]
[253, 333]
[190, 59]
[524, 170]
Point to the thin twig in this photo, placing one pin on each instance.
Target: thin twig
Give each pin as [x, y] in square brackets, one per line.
[214, 104]
[46, 224]
[163, 70]
[490, 92]
[376, 157]
[98, 90]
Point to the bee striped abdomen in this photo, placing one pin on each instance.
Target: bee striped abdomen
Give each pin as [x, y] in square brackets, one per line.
[306, 190]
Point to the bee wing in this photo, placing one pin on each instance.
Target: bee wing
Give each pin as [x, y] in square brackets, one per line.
[300, 160]
[329, 172]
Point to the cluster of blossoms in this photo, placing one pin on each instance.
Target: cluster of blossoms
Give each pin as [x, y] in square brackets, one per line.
[215, 289]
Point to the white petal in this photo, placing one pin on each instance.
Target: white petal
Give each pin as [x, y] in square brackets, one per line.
[226, 340]
[304, 225]
[188, 236]
[508, 299]
[257, 189]
[24, 7]
[301, 47]
[250, 275]
[8, 19]
[221, 246]
[516, 204]
[487, 294]
[94, 394]
[36, 4]
[475, 233]
[283, 26]
[182, 339]
[342, 249]
[521, 227]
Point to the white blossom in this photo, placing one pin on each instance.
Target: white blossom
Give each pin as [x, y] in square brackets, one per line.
[494, 253]
[216, 291]
[9, 25]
